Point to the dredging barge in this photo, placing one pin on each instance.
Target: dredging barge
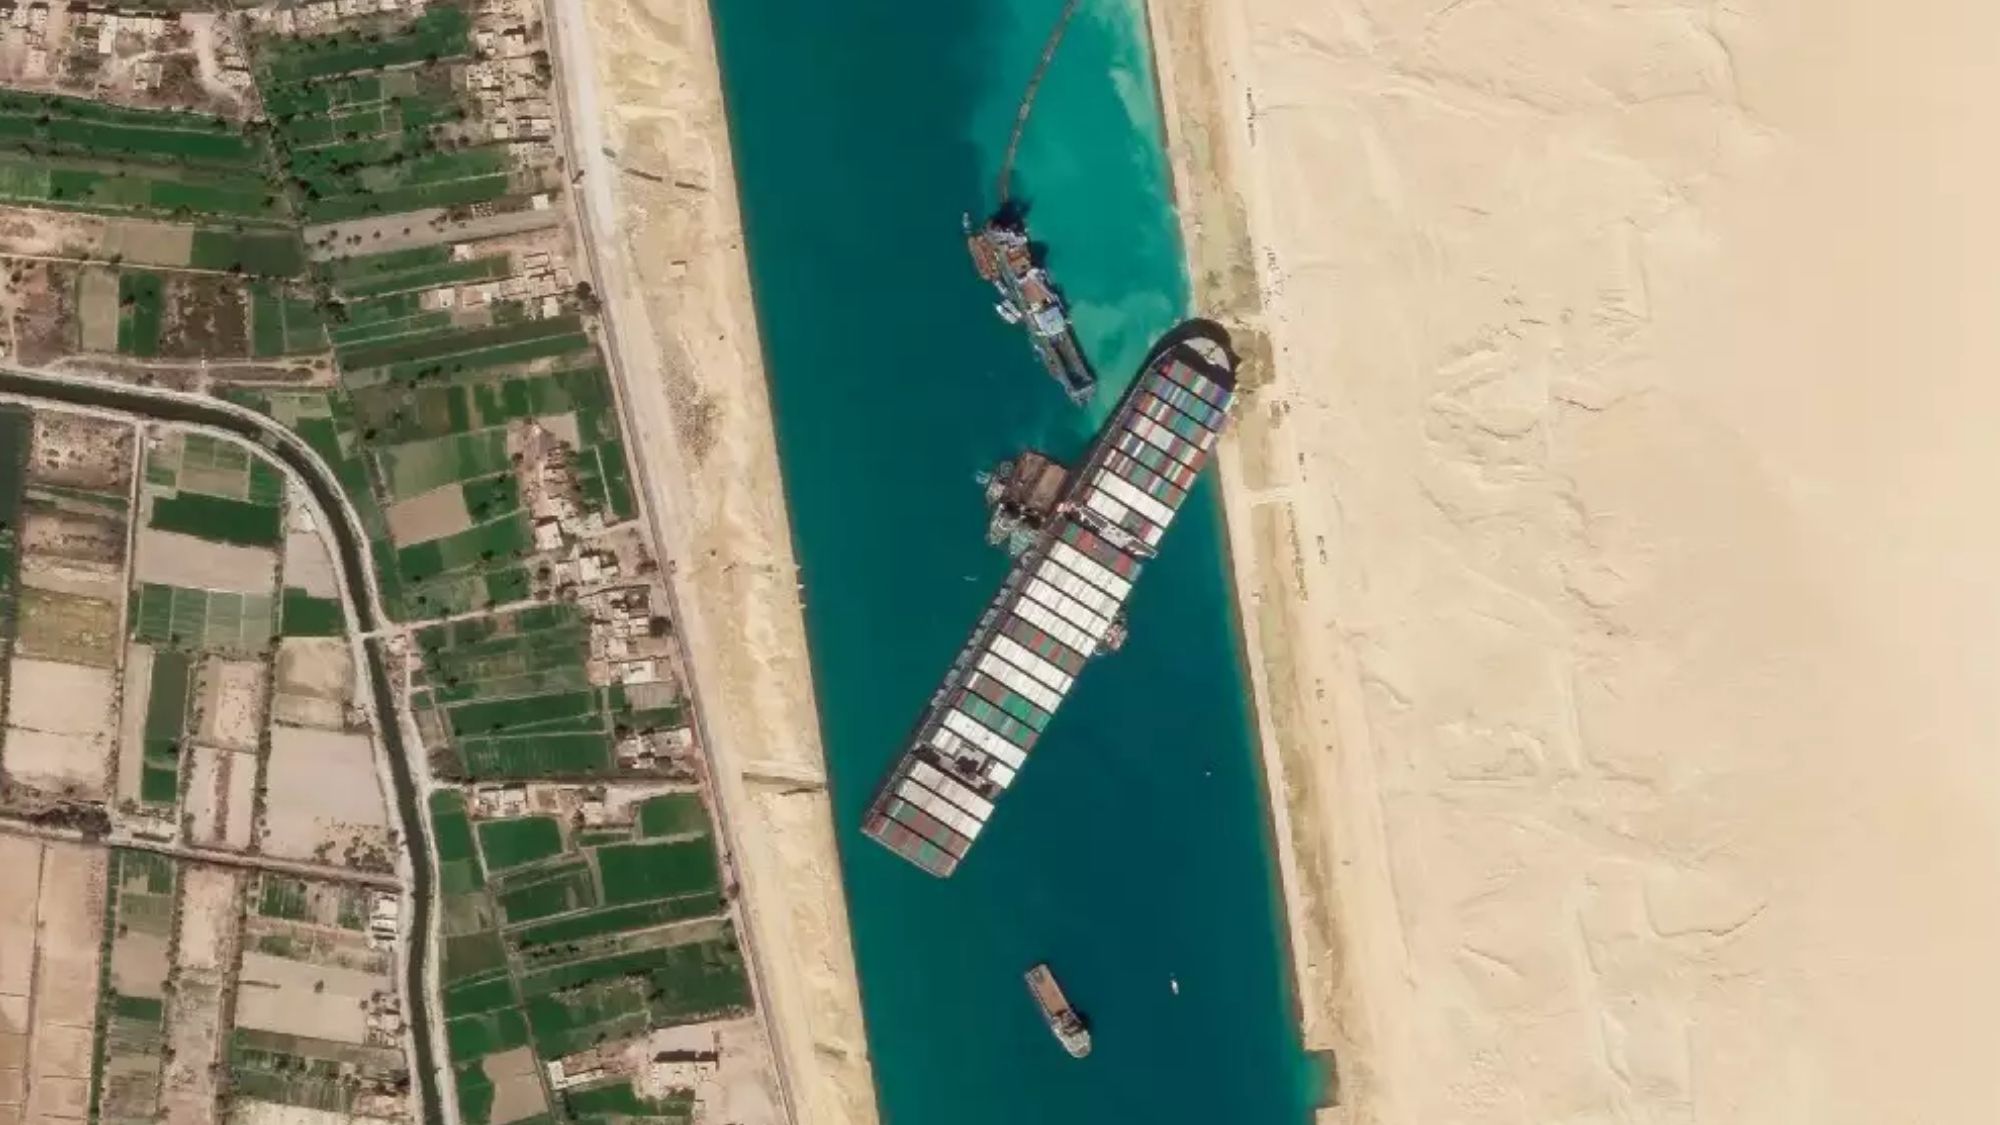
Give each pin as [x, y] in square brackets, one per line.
[1006, 258]
[1061, 604]
[1064, 1021]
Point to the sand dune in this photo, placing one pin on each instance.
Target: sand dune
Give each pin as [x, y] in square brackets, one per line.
[1615, 541]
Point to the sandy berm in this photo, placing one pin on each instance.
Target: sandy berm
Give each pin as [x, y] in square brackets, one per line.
[1616, 537]
[659, 189]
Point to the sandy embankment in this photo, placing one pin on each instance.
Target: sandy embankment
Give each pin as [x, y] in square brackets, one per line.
[1615, 537]
[660, 187]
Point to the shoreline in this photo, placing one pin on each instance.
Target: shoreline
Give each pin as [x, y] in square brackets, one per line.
[648, 91]
[1203, 141]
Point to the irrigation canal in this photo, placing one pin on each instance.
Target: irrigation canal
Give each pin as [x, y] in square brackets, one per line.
[288, 447]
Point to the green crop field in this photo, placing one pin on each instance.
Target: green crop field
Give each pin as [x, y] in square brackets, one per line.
[472, 1037]
[50, 124]
[498, 715]
[202, 619]
[575, 1005]
[438, 346]
[639, 872]
[257, 253]
[673, 815]
[408, 470]
[178, 193]
[542, 892]
[314, 1074]
[282, 896]
[511, 843]
[616, 1103]
[141, 306]
[217, 518]
[166, 722]
[572, 928]
[302, 615]
[442, 32]
[510, 537]
[284, 322]
[16, 436]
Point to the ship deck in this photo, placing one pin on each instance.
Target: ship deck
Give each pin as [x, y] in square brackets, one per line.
[1056, 609]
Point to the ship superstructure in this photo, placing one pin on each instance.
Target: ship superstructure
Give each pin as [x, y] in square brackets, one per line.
[1061, 604]
[1005, 257]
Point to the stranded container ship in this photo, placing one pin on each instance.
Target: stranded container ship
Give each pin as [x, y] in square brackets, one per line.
[1061, 604]
[1003, 255]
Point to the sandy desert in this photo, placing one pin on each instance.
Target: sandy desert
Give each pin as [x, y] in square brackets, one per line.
[1611, 529]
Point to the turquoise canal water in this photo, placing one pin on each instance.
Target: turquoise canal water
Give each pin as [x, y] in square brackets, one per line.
[1132, 851]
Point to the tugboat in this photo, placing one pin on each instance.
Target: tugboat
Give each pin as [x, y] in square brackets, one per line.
[1064, 1021]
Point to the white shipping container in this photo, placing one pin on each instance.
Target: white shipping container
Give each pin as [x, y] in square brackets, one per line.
[979, 735]
[1020, 682]
[1033, 663]
[1035, 614]
[1103, 576]
[1069, 608]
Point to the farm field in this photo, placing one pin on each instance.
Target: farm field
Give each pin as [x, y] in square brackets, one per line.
[317, 1009]
[326, 801]
[581, 919]
[205, 952]
[51, 913]
[128, 1070]
[315, 682]
[357, 229]
[509, 695]
[61, 710]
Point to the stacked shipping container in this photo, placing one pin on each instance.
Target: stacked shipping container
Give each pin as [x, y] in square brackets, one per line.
[1061, 605]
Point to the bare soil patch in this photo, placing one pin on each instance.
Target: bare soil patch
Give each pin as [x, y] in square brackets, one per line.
[221, 797]
[49, 933]
[136, 691]
[68, 629]
[74, 532]
[315, 682]
[20, 892]
[79, 451]
[314, 1000]
[229, 703]
[206, 316]
[308, 565]
[183, 560]
[97, 309]
[61, 720]
[40, 297]
[147, 243]
[323, 798]
[206, 950]
[517, 1088]
[433, 515]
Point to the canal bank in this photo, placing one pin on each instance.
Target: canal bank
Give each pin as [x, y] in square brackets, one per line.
[1132, 854]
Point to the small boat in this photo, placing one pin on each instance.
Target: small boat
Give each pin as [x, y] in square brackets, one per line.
[1065, 1023]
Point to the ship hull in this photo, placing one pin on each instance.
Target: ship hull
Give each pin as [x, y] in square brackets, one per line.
[1003, 255]
[1060, 605]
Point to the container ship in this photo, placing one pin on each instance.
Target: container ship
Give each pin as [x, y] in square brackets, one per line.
[1061, 603]
[1064, 1021]
[1004, 256]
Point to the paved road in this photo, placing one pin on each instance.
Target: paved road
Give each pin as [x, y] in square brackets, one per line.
[174, 406]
